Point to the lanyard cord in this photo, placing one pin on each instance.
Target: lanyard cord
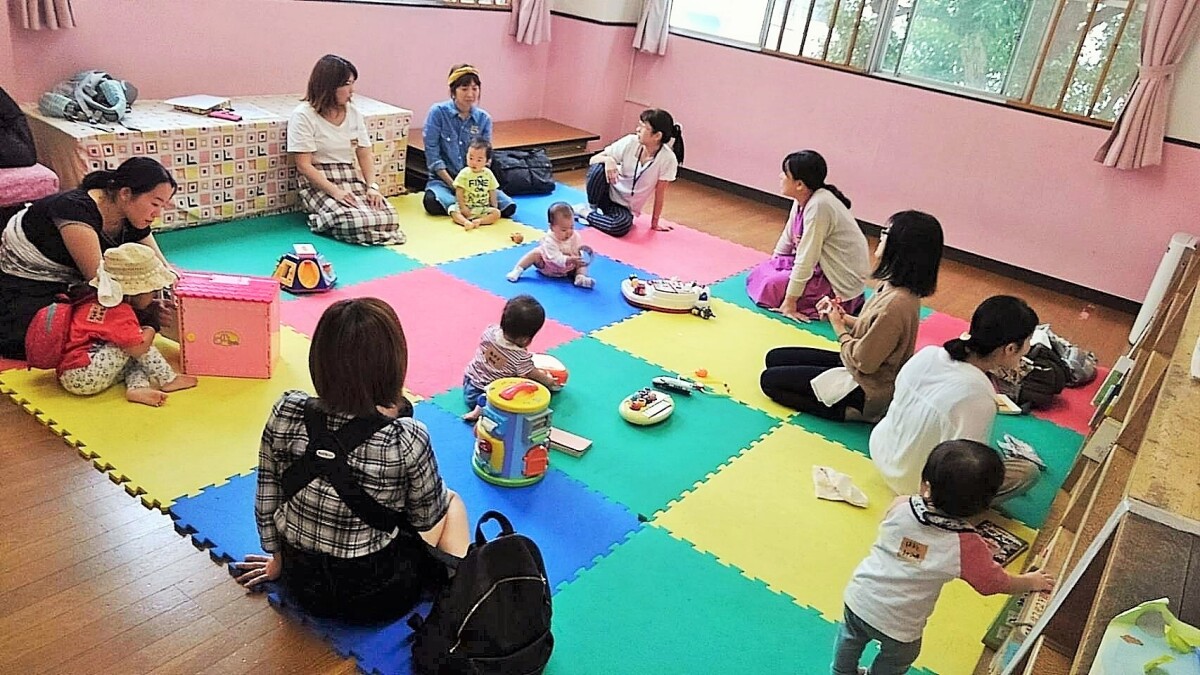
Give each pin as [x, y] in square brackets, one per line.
[637, 175]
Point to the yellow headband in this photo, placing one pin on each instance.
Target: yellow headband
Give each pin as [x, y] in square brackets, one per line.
[459, 72]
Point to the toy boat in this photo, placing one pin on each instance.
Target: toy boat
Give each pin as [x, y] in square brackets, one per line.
[667, 295]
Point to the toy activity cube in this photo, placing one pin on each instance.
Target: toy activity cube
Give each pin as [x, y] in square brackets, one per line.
[513, 433]
[228, 325]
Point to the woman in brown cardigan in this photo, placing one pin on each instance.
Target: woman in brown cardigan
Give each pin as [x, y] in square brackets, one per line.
[856, 383]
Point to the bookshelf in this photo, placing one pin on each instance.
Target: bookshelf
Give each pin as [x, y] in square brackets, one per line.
[1130, 531]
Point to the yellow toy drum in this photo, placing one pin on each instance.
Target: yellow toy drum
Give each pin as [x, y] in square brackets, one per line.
[513, 433]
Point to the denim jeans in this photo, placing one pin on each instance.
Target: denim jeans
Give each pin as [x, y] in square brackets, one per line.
[894, 657]
[473, 395]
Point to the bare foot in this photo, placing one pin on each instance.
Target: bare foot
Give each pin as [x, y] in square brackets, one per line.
[145, 396]
[474, 415]
[180, 382]
[661, 228]
[470, 224]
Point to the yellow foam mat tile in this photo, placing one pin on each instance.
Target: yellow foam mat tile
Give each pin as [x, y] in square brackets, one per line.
[760, 515]
[436, 240]
[200, 437]
[730, 346]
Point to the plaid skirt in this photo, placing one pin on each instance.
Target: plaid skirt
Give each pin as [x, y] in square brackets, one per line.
[359, 224]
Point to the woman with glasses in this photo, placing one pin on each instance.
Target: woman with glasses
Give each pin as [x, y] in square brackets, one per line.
[857, 382]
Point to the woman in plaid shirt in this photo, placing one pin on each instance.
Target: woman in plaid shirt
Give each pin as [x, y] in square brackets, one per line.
[328, 558]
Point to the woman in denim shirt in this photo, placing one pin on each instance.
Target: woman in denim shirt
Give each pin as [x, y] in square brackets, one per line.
[449, 129]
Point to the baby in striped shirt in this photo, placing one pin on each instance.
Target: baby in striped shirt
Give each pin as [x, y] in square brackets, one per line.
[503, 352]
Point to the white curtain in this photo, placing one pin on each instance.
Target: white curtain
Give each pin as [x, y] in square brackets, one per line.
[530, 21]
[39, 14]
[654, 27]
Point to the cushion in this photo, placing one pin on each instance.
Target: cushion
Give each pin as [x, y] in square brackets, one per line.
[26, 184]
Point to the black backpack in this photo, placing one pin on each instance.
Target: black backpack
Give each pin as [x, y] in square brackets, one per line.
[16, 141]
[1044, 380]
[523, 172]
[493, 618]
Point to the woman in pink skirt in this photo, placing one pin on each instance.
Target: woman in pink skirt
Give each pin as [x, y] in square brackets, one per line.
[821, 251]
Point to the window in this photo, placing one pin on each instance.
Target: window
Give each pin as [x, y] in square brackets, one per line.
[1076, 57]
[740, 21]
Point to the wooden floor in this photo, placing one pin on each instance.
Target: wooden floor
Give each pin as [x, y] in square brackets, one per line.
[90, 581]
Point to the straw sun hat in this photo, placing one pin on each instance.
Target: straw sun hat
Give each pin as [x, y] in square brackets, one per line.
[130, 269]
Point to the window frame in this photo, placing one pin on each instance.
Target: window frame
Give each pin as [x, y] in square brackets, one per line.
[878, 48]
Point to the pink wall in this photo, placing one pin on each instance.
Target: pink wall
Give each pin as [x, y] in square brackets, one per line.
[1008, 185]
[238, 47]
[588, 75]
[8, 69]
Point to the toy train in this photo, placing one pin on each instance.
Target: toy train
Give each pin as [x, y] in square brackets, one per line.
[668, 295]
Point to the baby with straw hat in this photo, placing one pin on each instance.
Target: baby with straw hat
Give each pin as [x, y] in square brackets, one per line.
[106, 343]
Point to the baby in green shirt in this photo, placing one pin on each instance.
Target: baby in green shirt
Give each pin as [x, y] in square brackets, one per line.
[476, 187]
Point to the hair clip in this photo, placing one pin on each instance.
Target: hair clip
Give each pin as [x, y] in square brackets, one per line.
[965, 337]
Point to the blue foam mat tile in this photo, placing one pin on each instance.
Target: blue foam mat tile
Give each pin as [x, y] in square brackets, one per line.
[379, 648]
[531, 209]
[221, 518]
[571, 524]
[584, 309]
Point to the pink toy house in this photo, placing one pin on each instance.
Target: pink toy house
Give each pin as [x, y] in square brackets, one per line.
[228, 325]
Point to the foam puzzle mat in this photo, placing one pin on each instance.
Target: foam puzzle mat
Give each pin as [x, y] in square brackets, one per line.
[692, 546]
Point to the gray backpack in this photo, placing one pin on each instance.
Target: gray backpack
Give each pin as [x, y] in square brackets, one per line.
[89, 96]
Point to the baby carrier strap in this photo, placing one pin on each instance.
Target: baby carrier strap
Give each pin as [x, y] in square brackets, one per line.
[325, 458]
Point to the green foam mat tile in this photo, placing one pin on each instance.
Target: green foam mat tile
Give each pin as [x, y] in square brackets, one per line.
[253, 246]
[643, 468]
[656, 605]
[1057, 447]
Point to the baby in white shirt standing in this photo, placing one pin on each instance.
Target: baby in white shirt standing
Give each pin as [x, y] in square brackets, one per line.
[560, 253]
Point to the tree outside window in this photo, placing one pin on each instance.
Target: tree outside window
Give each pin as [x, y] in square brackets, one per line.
[1076, 57]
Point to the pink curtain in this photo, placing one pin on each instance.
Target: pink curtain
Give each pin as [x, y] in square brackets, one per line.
[39, 14]
[653, 27]
[1137, 137]
[530, 21]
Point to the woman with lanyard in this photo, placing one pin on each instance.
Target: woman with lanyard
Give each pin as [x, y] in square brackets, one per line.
[623, 175]
[57, 242]
[449, 129]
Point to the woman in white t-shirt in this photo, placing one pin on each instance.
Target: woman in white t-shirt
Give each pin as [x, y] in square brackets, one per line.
[624, 175]
[327, 134]
[943, 393]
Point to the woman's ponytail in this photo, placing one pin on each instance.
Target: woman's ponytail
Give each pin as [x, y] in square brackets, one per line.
[102, 179]
[677, 143]
[998, 321]
[958, 348]
[838, 193]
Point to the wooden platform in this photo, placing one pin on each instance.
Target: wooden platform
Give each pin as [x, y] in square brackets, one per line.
[566, 145]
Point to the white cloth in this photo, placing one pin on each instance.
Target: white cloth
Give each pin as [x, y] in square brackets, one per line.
[329, 144]
[20, 258]
[833, 385]
[654, 27]
[647, 170]
[937, 399]
[831, 238]
[836, 486]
